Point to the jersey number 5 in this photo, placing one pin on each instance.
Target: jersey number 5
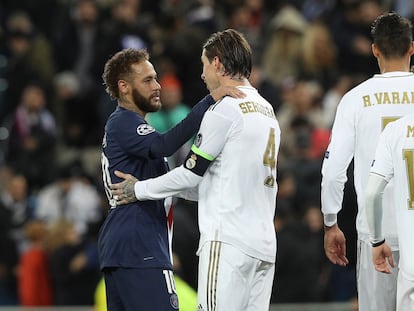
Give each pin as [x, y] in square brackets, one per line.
[269, 158]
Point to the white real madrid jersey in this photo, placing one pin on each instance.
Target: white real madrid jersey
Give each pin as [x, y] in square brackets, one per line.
[361, 116]
[237, 196]
[235, 151]
[395, 158]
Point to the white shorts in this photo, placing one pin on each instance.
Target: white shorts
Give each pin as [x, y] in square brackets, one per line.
[376, 291]
[405, 293]
[229, 280]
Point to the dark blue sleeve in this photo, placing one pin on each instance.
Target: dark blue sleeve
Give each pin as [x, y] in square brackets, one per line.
[166, 144]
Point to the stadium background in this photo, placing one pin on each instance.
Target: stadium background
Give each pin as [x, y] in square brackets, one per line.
[307, 54]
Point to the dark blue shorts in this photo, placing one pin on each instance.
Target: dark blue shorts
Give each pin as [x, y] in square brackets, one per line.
[130, 289]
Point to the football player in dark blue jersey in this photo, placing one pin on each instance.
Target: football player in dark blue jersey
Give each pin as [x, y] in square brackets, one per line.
[134, 241]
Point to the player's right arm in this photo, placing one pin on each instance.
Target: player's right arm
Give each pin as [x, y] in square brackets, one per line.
[334, 175]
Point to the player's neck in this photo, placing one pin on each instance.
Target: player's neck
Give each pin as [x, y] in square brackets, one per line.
[129, 105]
[395, 65]
[234, 81]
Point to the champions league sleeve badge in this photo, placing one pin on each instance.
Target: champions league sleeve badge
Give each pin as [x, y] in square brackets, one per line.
[145, 129]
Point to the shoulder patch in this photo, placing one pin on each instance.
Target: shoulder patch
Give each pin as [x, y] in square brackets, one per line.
[198, 139]
[145, 129]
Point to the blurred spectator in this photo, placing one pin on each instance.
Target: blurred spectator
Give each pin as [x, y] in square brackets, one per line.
[294, 238]
[304, 168]
[350, 28]
[301, 100]
[33, 137]
[127, 27]
[39, 12]
[8, 257]
[266, 87]
[15, 198]
[172, 112]
[319, 55]
[34, 281]
[249, 17]
[74, 266]
[281, 55]
[71, 197]
[77, 42]
[317, 9]
[29, 58]
[332, 97]
[180, 42]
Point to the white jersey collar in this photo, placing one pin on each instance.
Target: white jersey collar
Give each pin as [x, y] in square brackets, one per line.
[393, 74]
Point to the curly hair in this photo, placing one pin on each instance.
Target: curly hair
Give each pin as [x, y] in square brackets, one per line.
[119, 67]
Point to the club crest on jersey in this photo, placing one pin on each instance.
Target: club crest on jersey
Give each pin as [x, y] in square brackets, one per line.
[174, 301]
[191, 162]
[198, 139]
[145, 129]
[200, 308]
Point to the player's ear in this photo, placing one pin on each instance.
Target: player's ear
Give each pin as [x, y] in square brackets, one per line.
[375, 50]
[123, 86]
[411, 50]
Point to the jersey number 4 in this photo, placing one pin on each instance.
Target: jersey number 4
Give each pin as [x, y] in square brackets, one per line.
[269, 158]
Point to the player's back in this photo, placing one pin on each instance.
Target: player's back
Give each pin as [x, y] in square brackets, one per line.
[363, 113]
[238, 192]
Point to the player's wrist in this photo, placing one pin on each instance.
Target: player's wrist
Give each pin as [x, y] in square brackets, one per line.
[376, 243]
[329, 220]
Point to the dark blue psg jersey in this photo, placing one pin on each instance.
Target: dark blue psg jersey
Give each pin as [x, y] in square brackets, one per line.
[136, 234]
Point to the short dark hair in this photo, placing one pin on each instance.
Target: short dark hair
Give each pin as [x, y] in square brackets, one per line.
[392, 34]
[233, 50]
[119, 67]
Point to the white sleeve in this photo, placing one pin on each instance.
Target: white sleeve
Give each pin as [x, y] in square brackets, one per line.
[373, 205]
[169, 184]
[383, 161]
[337, 159]
[381, 172]
[190, 194]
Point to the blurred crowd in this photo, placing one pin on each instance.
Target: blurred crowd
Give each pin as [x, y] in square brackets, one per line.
[307, 54]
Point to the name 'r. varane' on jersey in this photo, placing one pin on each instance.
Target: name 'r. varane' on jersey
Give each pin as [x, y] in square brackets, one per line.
[385, 98]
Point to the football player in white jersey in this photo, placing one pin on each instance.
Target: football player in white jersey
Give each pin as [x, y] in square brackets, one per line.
[361, 116]
[394, 160]
[233, 163]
